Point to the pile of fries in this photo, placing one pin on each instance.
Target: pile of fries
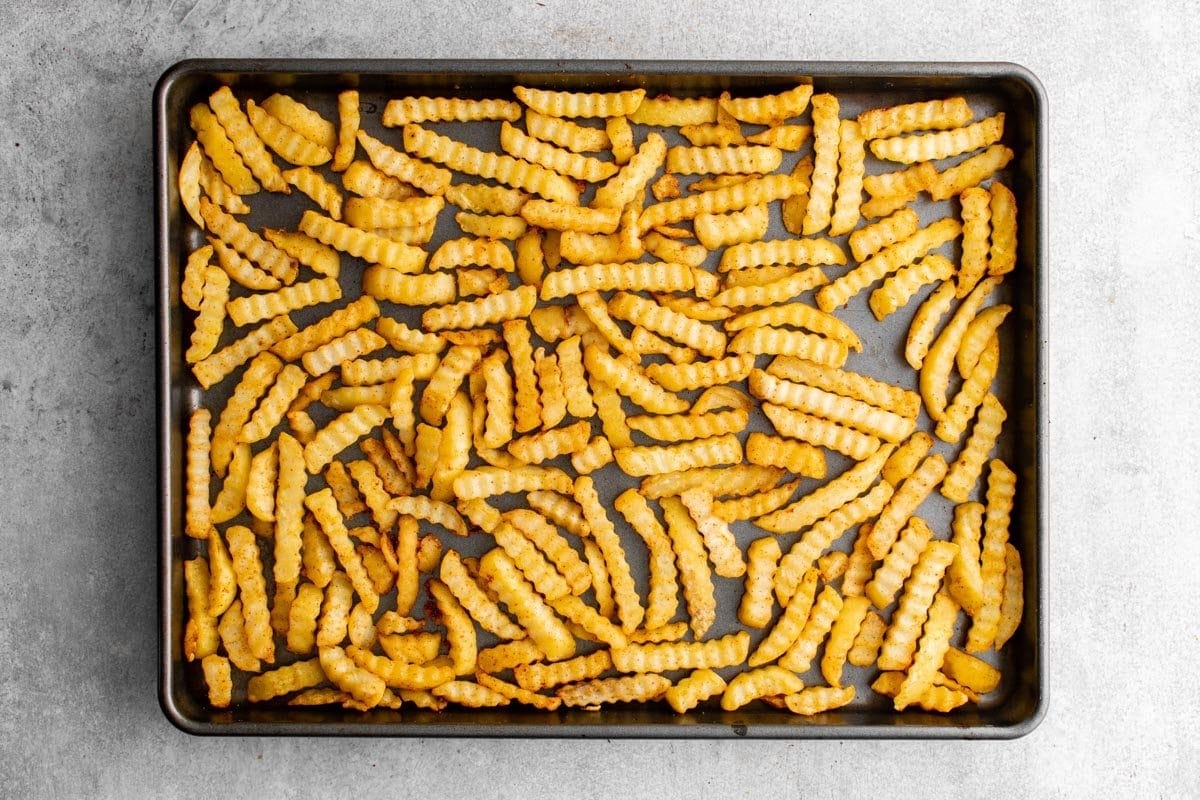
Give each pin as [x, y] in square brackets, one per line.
[604, 364]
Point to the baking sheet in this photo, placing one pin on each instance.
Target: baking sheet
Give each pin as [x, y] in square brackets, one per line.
[1012, 710]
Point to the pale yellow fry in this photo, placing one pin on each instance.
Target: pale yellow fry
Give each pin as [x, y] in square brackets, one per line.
[558, 550]
[305, 121]
[971, 172]
[535, 677]
[639, 688]
[723, 551]
[785, 137]
[965, 471]
[701, 374]
[780, 341]
[735, 227]
[458, 362]
[447, 109]
[825, 611]
[739, 479]
[520, 145]
[942, 144]
[923, 329]
[683, 329]
[260, 485]
[641, 276]
[201, 636]
[323, 259]
[220, 150]
[493, 308]
[373, 372]
[533, 565]
[505, 169]
[841, 637]
[930, 652]
[564, 133]
[757, 603]
[862, 416]
[974, 389]
[632, 178]
[288, 143]
[901, 640]
[302, 619]
[188, 182]
[348, 122]
[1000, 494]
[878, 123]
[964, 578]
[701, 685]
[769, 109]
[1012, 604]
[318, 558]
[247, 565]
[800, 315]
[1002, 257]
[782, 290]
[253, 308]
[512, 692]
[411, 290]
[546, 630]
[672, 251]
[232, 629]
[241, 134]
[755, 191]
[747, 159]
[232, 498]
[412, 648]
[312, 184]
[796, 457]
[691, 557]
[976, 223]
[629, 607]
[197, 511]
[887, 261]
[939, 361]
[666, 187]
[977, 338]
[851, 159]
[460, 631]
[379, 212]
[904, 461]
[590, 248]
[355, 344]
[664, 657]
[821, 432]
[665, 111]
[361, 244]
[861, 387]
[971, 672]
[593, 625]
[601, 584]
[826, 138]
[222, 580]
[781, 251]
[221, 193]
[545, 445]
[909, 496]
[639, 461]
[285, 680]
[898, 563]
[254, 247]
[897, 289]
[433, 511]
[339, 434]
[561, 510]
[626, 376]
[365, 180]
[324, 509]
[580, 104]
[491, 227]
[755, 505]
[217, 679]
[683, 427]
[757, 683]
[528, 404]
[823, 501]
[662, 601]
[240, 270]
[336, 324]
[897, 227]
[491, 481]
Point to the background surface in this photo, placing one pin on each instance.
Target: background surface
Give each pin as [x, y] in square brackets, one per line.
[78, 711]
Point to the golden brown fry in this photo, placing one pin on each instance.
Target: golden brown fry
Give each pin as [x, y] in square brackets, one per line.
[324, 508]
[837, 492]
[1000, 493]
[757, 683]
[757, 602]
[971, 172]
[220, 150]
[1003, 208]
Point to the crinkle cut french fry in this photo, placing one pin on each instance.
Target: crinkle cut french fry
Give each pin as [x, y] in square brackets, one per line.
[769, 109]
[366, 180]
[701, 374]
[411, 290]
[965, 471]
[288, 143]
[939, 361]
[446, 109]
[640, 461]
[976, 226]
[348, 122]
[256, 307]
[533, 565]
[718, 201]
[739, 479]
[762, 682]
[197, 511]
[886, 261]
[697, 687]
[777, 291]
[821, 432]
[631, 276]
[941, 144]
[681, 427]
[490, 309]
[666, 111]
[672, 324]
[200, 634]
[324, 508]
[901, 640]
[837, 492]
[313, 185]
[978, 337]
[629, 607]
[782, 251]
[841, 637]
[923, 329]
[908, 497]
[244, 138]
[546, 630]
[971, 172]
[564, 133]
[191, 290]
[723, 551]
[460, 631]
[580, 104]
[220, 150]
[878, 123]
[563, 162]
[930, 651]
[1012, 603]
[238, 236]
[491, 481]
[964, 579]
[900, 401]
[338, 323]
[757, 602]
[800, 458]
[755, 505]
[959, 413]
[825, 611]
[1000, 493]
[785, 137]
[667, 656]
[243, 549]
[826, 137]
[1002, 257]
[662, 600]
[232, 497]
[639, 688]
[818, 699]
[733, 227]
[692, 559]
[528, 405]
[851, 158]
[361, 244]
[898, 563]
[627, 377]
[746, 159]
[866, 242]
[631, 179]
[783, 342]
[870, 419]
[898, 288]
[505, 169]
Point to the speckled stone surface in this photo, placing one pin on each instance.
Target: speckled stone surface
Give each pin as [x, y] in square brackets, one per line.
[79, 715]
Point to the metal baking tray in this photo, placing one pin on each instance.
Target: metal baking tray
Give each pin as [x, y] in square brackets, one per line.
[1013, 710]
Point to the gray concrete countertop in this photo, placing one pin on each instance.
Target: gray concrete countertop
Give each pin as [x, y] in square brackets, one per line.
[79, 715]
